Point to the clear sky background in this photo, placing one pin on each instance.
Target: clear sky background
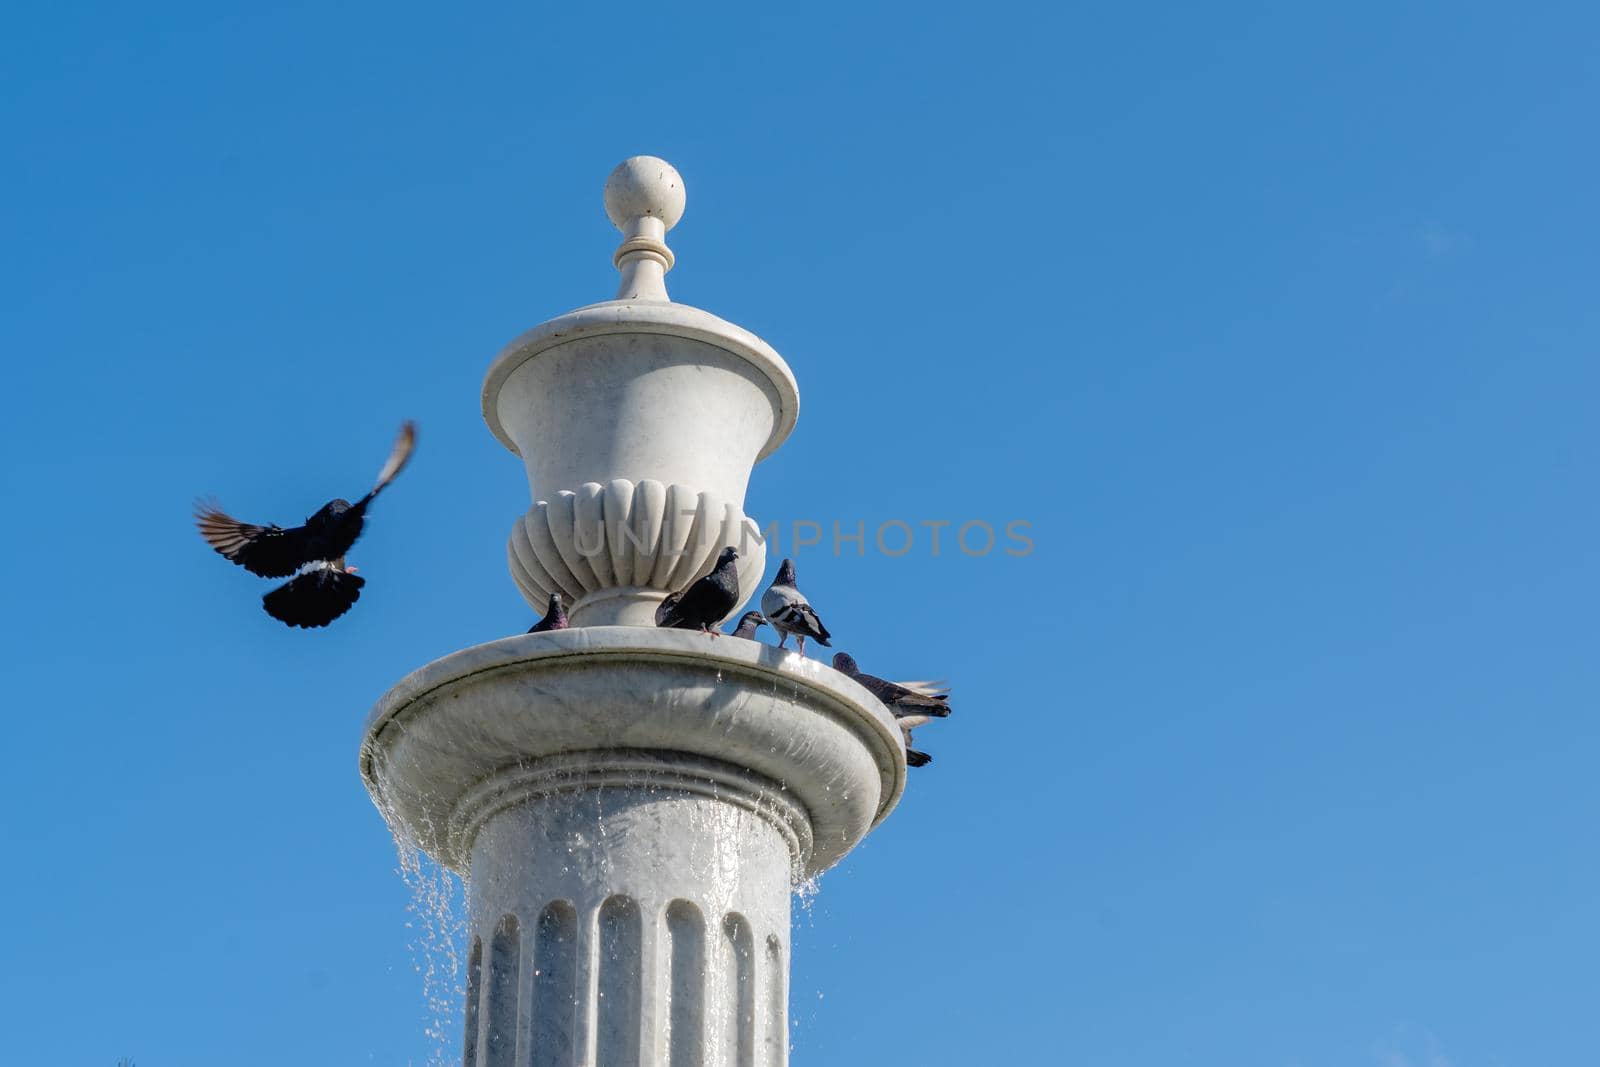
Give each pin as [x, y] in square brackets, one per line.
[1279, 326]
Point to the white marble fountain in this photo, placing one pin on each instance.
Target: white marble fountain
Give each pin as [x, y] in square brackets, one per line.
[632, 807]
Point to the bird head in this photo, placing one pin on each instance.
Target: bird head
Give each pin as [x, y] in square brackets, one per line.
[844, 663]
[785, 573]
[331, 510]
[754, 618]
[727, 557]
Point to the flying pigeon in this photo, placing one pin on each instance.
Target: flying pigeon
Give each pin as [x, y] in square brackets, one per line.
[748, 623]
[555, 617]
[706, 602]
[790, 612]
[323, 587]
[912, 702]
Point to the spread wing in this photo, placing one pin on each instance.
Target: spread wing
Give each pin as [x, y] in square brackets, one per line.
[929, 688]
[898, 696]
[315, 598]
[404, 443]
[270, 551]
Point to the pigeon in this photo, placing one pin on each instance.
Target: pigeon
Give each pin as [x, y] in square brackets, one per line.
[555, 617]
[748, 623]
[707, 601]
[913, 703]
[790, 612]
[323, 587]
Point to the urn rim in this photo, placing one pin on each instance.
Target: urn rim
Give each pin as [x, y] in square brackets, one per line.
[646, 317]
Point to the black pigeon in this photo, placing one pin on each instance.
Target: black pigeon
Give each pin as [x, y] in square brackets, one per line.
[919, 700]
[555, 617]
[325, 588]
[707, 601]
[748, 623]
[790, 612]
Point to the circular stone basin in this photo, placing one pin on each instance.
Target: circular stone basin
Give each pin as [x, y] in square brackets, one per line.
[826, 745]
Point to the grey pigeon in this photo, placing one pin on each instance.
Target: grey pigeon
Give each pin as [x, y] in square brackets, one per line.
[707, 601]
[748, 623]
[790, 612]
[914, 702]
[555, 617]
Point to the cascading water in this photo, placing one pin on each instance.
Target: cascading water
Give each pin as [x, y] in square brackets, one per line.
[436, 926]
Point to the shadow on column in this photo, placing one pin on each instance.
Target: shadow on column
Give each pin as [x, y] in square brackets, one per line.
[686, 991]
[620, 985]
[777, 1028]
[555, 985]
[739, 944]
[500, 994]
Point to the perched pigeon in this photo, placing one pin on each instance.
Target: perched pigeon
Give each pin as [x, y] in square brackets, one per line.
[555, 617]
[748, 623]
[323, 589]
[912, 703]
[919, 701]
[790, 612]
[706, 602]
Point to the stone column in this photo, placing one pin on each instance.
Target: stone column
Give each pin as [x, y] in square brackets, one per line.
[632, 806]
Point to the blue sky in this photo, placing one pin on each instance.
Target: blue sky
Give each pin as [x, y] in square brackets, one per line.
[1279, 327]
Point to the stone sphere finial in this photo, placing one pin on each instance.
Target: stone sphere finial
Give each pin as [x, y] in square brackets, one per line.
[644, 199]
[644, 185]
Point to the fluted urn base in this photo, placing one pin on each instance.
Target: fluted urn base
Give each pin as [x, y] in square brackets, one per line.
[632, 808]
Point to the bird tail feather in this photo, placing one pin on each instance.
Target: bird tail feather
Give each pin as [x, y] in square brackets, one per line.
[314, 598]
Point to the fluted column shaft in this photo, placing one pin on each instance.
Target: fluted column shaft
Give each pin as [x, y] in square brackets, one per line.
[630, 910]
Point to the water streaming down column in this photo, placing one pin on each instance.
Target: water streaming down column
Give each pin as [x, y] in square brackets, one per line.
[686, 985]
